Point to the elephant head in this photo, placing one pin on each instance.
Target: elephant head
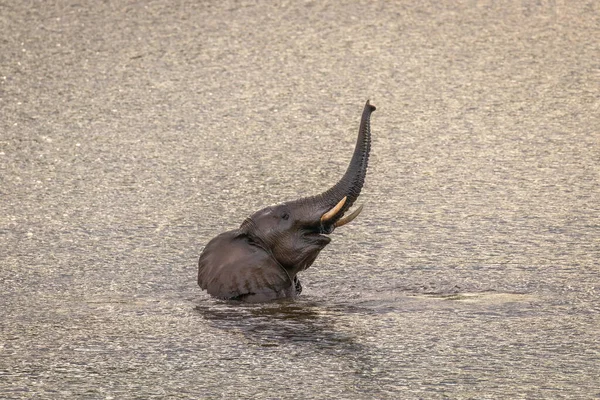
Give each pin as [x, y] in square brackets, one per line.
[259, 261]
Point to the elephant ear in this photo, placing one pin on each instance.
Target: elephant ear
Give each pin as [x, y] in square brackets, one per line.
[233, 267]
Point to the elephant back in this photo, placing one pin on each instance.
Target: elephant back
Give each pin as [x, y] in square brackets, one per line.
[233, 267]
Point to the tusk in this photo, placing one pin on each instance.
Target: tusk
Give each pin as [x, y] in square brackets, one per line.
[349, 218]
[331, 213]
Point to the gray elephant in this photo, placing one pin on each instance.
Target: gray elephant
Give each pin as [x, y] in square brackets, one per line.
[259, 261]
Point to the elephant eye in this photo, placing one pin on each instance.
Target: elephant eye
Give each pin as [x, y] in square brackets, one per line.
[285, 216]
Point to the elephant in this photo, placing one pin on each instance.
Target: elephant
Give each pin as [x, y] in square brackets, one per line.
[259, 261]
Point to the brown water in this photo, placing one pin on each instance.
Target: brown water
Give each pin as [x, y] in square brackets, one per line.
[131, 133]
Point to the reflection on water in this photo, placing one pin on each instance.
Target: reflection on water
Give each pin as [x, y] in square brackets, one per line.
[306, 331]
[279, 323]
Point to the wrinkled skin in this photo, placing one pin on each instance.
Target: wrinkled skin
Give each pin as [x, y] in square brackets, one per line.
[259, 261]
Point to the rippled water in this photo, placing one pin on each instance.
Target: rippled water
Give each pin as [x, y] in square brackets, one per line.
[132, 133]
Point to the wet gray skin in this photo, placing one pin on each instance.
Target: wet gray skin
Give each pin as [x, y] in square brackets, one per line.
[132, 133]
[260, 260]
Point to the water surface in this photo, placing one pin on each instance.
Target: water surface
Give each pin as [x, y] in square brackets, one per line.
[132, 133]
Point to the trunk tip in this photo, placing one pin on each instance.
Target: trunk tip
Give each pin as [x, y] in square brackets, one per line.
[370, 106]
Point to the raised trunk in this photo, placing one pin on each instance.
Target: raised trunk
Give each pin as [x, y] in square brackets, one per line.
[351, 183]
